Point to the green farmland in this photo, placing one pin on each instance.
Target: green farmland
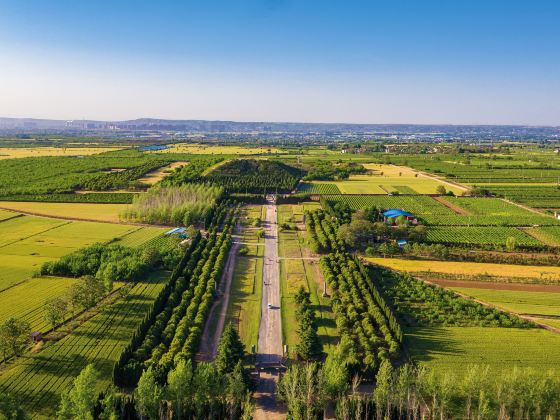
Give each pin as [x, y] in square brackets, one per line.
[244, 309]
[25, 300]
[299, 269]
[40, 379]
[27, 242]
[363, 316]
[454, 348]
[542, 305]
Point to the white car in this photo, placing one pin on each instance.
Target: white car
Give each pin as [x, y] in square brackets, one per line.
[269, 306]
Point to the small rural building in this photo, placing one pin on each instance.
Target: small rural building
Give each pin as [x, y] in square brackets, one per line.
[392, 214]
[181, 232]
[36, 336]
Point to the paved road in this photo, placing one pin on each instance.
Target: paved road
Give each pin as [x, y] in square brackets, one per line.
[270, 330]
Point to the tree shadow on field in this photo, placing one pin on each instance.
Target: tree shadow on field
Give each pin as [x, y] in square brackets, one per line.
[60, 366]
[429, 343]
[328, 340]
[326, 323]
[35, 402]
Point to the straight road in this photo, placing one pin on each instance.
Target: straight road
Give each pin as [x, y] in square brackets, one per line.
[270, 330]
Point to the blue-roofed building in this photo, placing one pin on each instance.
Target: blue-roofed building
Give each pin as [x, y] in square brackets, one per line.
[396, 213]
[391, 214]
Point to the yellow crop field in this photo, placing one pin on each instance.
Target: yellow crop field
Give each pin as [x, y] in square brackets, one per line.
[203, 149]
[78, 211]
[384, 179]
[17, 152]
[468, 268]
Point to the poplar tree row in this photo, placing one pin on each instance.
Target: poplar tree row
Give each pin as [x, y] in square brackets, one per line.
[359, 319]
[171, 332]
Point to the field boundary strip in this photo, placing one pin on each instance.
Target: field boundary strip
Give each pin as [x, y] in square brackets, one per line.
[457, 209]
[527, 208]
[34, 234]
[78, 219]
[16, 215]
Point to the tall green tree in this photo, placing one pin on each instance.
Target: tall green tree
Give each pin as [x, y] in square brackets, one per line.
[180, 387]
[230, 350]
[55, 310]
[79, 402]
[383, 389]
[236, 391]
[15, 336]
[148, 396]
[209, 385]
[10, 409]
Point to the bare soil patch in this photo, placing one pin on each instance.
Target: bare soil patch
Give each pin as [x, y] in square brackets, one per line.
[455, 208]
[156, 175]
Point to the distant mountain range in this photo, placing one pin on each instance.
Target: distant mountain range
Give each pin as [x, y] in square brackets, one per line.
[15, 125]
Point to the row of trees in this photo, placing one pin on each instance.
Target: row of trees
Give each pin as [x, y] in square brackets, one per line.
[185, 204]
[15, 334]
[15, 337]
[419, 303]
[84, 294]
[171, 332]
[362, 316]
[309, 346]
[406, 392]
[322, 232]
[475, 393]
[219, 390]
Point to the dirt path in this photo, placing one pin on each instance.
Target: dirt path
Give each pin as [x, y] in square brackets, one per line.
[532, 210]
[209, 344]
[539, 236]
[270, 330]
[456, 209]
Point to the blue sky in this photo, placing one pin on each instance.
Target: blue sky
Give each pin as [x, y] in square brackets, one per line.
[404, 61]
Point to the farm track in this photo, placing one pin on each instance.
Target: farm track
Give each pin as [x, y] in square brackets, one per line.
[524, 207]
[209, 345]
[384, 189]
[455, 208]
[11, 217]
